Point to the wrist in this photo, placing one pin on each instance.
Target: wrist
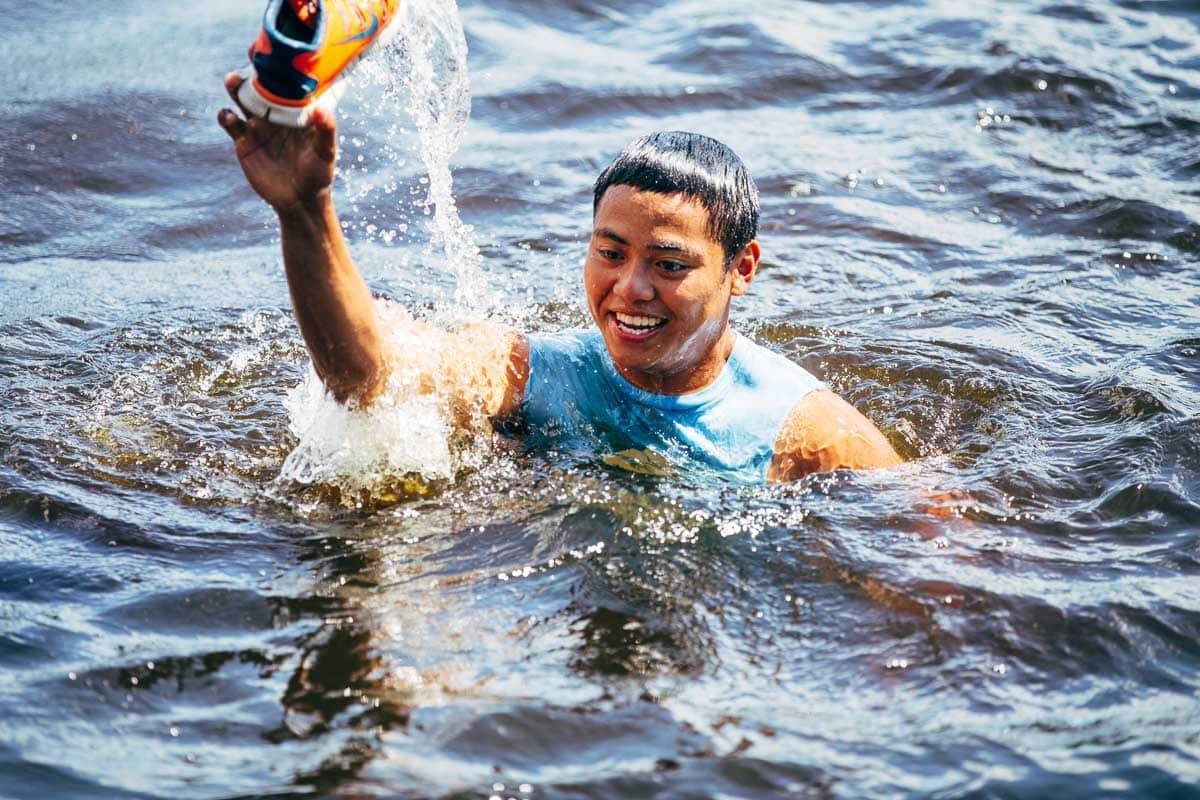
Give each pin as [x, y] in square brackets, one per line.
[318, 204]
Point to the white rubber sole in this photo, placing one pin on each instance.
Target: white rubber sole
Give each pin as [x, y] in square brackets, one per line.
[298, 116]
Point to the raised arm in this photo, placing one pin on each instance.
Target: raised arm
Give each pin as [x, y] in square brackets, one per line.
[293, 171]
[823, 432]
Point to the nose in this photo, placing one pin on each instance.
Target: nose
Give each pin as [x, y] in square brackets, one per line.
[633, 284]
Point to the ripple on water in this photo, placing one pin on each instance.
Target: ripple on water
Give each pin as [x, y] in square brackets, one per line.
[981, 229]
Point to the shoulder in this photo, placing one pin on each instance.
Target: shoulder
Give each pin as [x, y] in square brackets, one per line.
[494, 362]
[823, 432]
[775, 382]
[564, 344]
[764, 365]
[555, 356]
[560, 367]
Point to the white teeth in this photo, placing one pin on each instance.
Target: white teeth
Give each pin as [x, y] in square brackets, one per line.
[631, 321]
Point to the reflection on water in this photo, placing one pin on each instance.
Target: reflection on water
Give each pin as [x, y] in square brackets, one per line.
[980, 227]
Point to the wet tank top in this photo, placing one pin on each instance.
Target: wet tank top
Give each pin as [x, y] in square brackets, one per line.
[575, 397]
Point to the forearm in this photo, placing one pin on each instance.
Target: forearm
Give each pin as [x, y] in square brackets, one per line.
[333, 305]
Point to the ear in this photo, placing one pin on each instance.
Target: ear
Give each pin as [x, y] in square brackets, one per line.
[744, 267]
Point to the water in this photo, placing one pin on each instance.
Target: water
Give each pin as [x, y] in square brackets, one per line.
[981, 225]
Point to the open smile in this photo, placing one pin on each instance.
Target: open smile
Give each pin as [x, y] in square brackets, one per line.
[636, 327]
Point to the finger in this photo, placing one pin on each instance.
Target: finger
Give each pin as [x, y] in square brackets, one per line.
[233, 82]
[258, 128]
[232, 124]
[324, 129]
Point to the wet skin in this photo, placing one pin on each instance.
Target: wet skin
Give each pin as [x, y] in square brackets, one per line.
[659, 289]
[657, 284]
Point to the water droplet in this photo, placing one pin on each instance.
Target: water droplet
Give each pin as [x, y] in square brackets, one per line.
[74, 137]
[800, 188]
[1041, 85]
[71, 676]
[1172, 89]
[174, 732]
[689, 90]
[497, 787]
[524, 788]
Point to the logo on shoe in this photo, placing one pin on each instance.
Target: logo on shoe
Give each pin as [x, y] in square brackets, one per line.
[367, 34]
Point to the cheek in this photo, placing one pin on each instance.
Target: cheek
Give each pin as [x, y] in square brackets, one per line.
[715, 296]
[593, 283]
[687, 300]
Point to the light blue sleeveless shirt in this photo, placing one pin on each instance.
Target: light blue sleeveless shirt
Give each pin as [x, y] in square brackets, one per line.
[575, 397]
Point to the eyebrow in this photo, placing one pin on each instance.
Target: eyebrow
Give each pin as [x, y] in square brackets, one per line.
[665, 247]
[608, 233]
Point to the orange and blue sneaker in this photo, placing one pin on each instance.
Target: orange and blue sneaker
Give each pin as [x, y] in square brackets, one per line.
[305, 50]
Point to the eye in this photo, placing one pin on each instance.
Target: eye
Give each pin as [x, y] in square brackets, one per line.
[608, 254]
[672, 266]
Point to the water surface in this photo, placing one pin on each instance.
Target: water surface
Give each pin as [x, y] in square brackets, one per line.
[981, 225]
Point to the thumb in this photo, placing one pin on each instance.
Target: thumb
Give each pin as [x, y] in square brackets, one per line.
[324, 129]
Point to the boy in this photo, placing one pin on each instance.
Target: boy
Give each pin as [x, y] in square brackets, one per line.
[674, 221]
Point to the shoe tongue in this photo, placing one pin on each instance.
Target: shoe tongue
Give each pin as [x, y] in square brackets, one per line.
[306, 11]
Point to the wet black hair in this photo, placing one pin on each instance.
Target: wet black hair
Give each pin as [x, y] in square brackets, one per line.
[699, 167]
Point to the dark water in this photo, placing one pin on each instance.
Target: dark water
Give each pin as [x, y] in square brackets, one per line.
[982, 226]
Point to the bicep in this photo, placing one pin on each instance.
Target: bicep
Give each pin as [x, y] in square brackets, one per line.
[823, 432]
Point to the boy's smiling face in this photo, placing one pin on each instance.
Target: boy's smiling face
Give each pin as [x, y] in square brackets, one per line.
[658, 288]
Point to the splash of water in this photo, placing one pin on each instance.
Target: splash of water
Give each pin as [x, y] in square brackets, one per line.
[421, 79]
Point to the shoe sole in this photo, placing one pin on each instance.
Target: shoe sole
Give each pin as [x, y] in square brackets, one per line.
[297, 116]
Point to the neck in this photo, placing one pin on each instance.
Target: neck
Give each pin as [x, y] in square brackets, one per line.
[688, 378]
